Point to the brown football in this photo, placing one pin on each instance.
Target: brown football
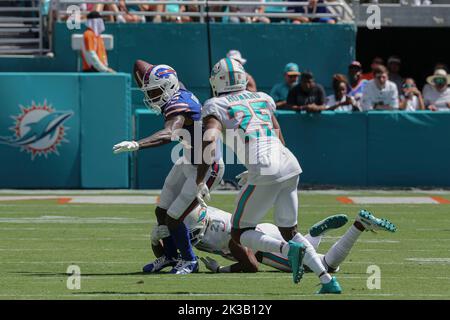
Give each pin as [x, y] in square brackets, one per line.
[140, 67]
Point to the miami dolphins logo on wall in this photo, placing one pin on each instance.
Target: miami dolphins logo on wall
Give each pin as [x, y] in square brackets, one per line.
[38, 130]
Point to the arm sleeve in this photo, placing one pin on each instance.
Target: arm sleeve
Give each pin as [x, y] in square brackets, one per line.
[273, 93]
[321, 96]
[291, 99]
[210, 108]
[366, 101]
[93, 60]
[394, 98]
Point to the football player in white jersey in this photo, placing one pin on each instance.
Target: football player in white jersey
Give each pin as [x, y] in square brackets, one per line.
[210, 230]
[273, 171]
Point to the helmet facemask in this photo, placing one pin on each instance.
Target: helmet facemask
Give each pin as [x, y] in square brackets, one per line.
[158, 91]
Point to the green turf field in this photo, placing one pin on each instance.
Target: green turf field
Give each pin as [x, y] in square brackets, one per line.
[110, 243]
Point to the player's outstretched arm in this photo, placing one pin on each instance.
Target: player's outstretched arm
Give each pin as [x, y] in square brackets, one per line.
[165, 135]
[159, 138]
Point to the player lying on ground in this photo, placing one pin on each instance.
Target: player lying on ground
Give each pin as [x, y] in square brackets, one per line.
[210, 232]
[181, 110]
[273, 171]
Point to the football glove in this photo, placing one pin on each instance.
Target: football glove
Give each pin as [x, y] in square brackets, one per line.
[242, 178]
[203, 194]
[211, 264]
[125, 146]
[158, 233]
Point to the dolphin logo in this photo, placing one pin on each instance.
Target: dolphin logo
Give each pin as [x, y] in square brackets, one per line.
[40, 129]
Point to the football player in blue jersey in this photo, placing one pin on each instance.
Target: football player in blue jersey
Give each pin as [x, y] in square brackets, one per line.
[182, 115]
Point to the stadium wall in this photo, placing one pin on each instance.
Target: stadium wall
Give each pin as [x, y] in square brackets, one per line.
[375, 149]
[191, 49]
[57, 130]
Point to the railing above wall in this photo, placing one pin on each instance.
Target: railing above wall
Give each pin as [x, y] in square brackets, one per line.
[204, 9]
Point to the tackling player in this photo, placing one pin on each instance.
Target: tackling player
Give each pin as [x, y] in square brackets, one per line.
[210, 232]
[273, 171]
[181, 110]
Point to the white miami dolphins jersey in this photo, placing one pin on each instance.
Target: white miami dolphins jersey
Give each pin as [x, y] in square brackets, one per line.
[217, 234]
[247, 121]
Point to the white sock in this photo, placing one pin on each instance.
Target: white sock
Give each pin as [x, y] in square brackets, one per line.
[340, 250]
[258, 241]
[312, 259]
[315, 241]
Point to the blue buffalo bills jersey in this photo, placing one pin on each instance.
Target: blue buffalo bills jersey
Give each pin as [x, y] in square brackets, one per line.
[183, 103]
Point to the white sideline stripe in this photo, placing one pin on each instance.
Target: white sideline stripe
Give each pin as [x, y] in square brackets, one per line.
[220, 192]
[74, 220]
[393, 200]
[429, 260]
[117, 199]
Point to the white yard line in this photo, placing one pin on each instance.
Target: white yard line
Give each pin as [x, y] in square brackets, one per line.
[215, 294]
[225, 192]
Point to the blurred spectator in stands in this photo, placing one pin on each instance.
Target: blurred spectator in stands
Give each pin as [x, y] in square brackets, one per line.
[276, 9]
[127, 11]
[380, 93]
[280, 90]
[93, 51]
[340, 100]
[437, 95]
[377, 61]
[248, 9]
[411, 98]
[357, 84]
[99, 7]
[236, 55]
[196, 8]
[307, 95]
[153, 8]
[394, 64]
[311, 8]
[438, 65]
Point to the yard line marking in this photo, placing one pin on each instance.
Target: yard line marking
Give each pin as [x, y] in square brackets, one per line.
[430, 260]
[392, 200]
[72, 219]
[105, 199]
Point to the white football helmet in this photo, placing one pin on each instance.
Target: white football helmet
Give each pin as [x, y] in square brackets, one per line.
[196, 223]
[159, 84]
[228, 75]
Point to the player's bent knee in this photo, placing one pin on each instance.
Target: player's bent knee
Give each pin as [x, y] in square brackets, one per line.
[288, 233]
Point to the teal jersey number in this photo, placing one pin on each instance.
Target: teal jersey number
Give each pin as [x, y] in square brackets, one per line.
[261, 111]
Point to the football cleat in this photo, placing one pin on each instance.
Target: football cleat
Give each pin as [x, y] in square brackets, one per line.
[159, 264]
[295, 258]
[185, 267]
[332, 287]
[332, 222]
[372, 223]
